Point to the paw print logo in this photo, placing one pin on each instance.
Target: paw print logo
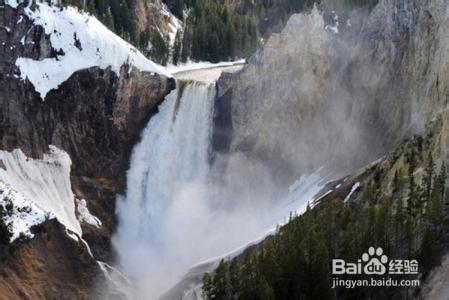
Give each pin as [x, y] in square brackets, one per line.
[374, 261]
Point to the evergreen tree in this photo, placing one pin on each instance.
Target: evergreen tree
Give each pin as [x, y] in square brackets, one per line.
[234, 278]
[5, 228]
[91, 6]
[264, 290]
[207, 286]
[220, 281]
[159, 50]
[413, 196]
[428, 179]
[177, 48]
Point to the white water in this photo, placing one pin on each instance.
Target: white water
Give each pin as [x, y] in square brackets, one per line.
[173, 215]
[173, 152]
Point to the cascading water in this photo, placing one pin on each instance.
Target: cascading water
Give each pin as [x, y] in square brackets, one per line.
[173, 216]
[173, 152]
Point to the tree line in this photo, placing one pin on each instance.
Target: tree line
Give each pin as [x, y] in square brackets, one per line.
[214, 30]
[409, 220]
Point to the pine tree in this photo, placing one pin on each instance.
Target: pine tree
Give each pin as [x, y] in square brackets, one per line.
[429, 175]
[207, 286]
[91, 7]
[264, 289]
[5, 229]
[396, 183]
[248, 284]
[109, 21]
[442, 178]
[234, 278]
[100, 7]
[413, 193]
[220, 282]
[159, 51]
[177, 48]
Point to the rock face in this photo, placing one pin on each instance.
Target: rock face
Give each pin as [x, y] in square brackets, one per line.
[52, 265]
[153, 15]
[95, 116]
[152, 18]
[342, 98]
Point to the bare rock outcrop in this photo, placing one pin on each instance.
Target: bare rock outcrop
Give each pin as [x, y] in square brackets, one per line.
[51, 266]
[337, 88]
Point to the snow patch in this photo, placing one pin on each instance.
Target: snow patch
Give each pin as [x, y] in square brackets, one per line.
[174, 24]
[86, 43]
[85, 216]
[333, 28]
[42, 184]
[322, 196]
[190, 65]
[353, 189]
[20, 213]
[12, 3]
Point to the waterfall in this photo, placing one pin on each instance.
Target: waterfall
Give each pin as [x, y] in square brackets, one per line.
[173, 216]
[173, 152]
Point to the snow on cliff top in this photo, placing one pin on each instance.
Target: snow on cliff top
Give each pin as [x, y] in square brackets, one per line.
[86, 43]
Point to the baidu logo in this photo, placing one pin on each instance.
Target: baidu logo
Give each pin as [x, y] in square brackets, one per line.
[377, 268]
[375, 262]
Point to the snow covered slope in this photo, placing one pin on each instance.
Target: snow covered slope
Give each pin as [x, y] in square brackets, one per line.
[19, 212]
[40, 187]
[83, 42]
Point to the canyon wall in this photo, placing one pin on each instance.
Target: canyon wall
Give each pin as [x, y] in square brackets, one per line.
[96, 116]
[337, 87]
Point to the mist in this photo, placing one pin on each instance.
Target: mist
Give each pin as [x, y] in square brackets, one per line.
[307, 109]
[177, 210]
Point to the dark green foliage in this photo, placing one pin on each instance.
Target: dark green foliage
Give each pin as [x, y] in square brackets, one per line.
[159, 51]
[115, 14]
[7, 210]
[223, 30]
[5, 231]
[214, 32]
[339, 4]
[144, 39]
[5, 228]
[295, 263]
[19, 241]
[177, 48]
[360, 3]
[176, 7]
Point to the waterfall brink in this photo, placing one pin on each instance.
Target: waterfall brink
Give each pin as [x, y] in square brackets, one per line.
[172, 153]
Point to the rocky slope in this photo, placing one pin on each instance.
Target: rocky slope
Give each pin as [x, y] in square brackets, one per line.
[51, 265]
[397, 203]
[345, 88]
[153, 20]
[95, 116]
[341, 88]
